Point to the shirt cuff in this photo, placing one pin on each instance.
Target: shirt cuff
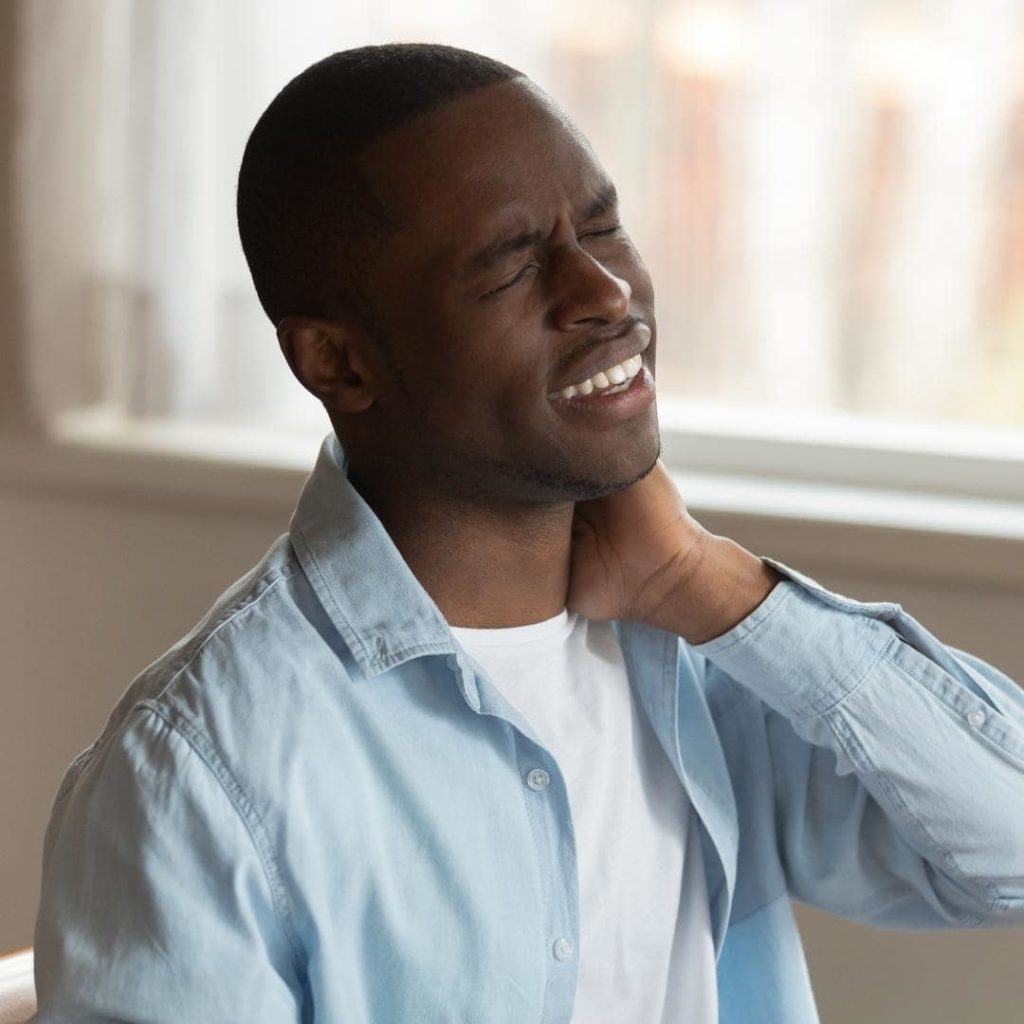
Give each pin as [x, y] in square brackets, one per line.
[804, 648]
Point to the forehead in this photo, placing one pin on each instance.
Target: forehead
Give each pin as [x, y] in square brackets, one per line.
[503, 156]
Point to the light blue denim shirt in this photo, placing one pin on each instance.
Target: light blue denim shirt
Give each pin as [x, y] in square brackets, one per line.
[315, 806]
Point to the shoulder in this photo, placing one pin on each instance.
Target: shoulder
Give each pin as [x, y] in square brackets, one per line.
[233, 674]
[234, 642]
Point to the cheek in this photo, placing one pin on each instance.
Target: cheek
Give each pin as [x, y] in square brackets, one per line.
[492, 397]
[635, 271]
[643, 286]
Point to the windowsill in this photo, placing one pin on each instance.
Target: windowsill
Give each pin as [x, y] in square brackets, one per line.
[173, 466]
[923, 535]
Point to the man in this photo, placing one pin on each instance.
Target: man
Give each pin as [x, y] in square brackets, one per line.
[498, 732]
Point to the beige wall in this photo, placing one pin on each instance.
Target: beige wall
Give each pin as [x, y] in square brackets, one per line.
[96, 586]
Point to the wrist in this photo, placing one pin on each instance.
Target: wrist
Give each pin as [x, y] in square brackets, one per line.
[715, 592]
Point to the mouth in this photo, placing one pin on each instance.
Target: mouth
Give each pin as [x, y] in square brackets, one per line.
[614, 377]
[617, 392]
[608, 381]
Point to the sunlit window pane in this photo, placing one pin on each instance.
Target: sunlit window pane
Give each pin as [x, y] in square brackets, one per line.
[830, 196]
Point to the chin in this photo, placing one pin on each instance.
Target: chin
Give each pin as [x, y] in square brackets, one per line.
[587, 483]
[602, 488]
[604, 473]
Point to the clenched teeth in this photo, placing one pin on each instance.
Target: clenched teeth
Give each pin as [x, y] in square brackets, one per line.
[614, 378]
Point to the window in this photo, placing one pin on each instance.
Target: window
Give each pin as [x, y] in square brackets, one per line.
[830, 198]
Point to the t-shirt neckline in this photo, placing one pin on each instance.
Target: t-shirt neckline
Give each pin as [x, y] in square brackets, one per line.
[557, 626]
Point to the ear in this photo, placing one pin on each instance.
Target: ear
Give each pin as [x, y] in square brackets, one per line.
[337, 363]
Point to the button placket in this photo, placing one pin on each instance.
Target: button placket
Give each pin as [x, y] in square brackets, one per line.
[550, 820]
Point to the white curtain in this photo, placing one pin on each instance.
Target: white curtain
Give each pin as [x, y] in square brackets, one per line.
[830, 196]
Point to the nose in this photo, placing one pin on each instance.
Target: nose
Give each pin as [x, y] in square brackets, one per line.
[588, 293]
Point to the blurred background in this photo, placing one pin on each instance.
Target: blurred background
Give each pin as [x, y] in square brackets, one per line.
[829, 195]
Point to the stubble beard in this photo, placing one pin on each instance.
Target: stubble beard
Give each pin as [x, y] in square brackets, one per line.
[540, 485]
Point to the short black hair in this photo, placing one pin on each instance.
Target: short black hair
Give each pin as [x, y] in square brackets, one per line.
[301, 199]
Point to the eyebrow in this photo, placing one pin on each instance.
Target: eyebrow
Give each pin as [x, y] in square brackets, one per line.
[606, 199]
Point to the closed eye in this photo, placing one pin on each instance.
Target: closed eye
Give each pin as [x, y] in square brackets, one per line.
[604, 231]
[509, 283]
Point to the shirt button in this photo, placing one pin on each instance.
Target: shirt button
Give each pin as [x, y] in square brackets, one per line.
[538, 779]
[563, 949]
[976, 717]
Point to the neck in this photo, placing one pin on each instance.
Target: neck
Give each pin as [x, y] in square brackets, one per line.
[484, 566]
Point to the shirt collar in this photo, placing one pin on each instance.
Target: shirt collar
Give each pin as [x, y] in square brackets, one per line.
[365, 586]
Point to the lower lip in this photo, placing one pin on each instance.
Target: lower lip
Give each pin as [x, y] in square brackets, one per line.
[622, 405]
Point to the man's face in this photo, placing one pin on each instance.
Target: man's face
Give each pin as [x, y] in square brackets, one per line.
[507, 281]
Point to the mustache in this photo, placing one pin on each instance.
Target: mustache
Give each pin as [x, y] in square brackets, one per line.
[602, 336]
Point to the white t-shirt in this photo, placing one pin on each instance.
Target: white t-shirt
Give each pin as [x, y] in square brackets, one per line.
[646, 952]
